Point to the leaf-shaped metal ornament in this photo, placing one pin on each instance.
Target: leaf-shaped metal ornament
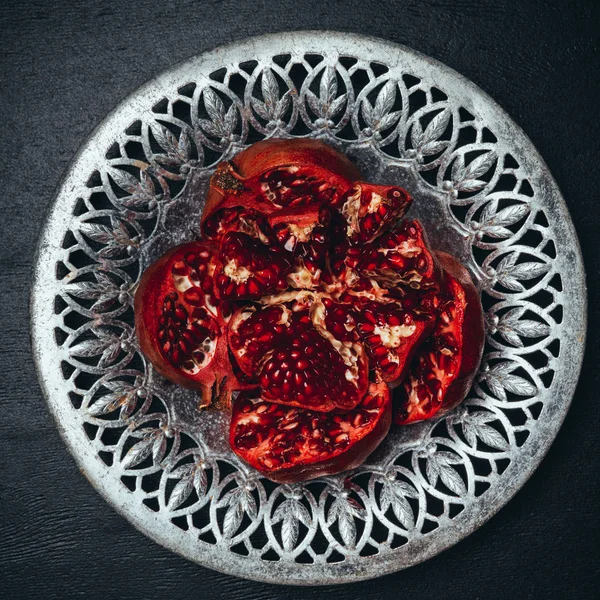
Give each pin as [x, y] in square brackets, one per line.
[378, 117]
[140, 191]
[126, 181]
[427, 142]
[326, 105]
[500, 379]
[273, 108]
[183, 488]
[475, 425]
[510, 274]
[165, 137]
[138, 452]
[238, 501]
[200, 480]
[110, 354]
[269, 87]
[105, 405]
[347, 528]
[395, 494]
[104, 297]
[89, 290]
[214, 105]
[345, 509]
[221, 122]
[97, 232]
[191, 477]
[123, 397]
[385, 100]
[511, 326]
[176, 150]
[494, 223]
[439, 468]
[115, 239]
[232, 519]
[291, 513]
[452, 480]
[328, 87]
[468, 178]
[107, 345]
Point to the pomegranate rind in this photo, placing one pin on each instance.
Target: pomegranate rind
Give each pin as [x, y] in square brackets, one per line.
[256, 420]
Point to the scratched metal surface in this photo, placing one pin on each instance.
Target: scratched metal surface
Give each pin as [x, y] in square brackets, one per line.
[44, 507]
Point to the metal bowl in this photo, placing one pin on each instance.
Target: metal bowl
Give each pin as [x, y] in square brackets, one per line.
[136, 188]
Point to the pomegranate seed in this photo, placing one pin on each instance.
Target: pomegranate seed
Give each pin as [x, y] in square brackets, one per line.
[194, 296]
[179, 268]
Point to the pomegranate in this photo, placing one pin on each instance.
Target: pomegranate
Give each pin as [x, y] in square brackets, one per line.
[295, 357]
[399, 258]
[392, 333]
[306, 288]
[290, 444]
[443, 368]
[304, 233]
[247, 221]
[181, 325]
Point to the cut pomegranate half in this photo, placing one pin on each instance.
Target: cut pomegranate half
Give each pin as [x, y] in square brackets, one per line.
[443, 368]
[290, 444]
[400, 257]
[289, 349]
[181, 325]
[274, 174]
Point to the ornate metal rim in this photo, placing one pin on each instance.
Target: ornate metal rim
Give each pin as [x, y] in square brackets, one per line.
[572, 328]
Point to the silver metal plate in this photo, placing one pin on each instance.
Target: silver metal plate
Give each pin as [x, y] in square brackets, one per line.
[136, 188]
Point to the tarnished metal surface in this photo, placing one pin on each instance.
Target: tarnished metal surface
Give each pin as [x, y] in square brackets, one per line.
[136, 188]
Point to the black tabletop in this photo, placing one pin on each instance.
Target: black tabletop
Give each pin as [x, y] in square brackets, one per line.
[64, 65]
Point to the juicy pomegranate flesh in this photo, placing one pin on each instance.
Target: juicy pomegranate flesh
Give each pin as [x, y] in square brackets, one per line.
[391, 335]
[370, 209]
[249, 268]
[290, 444]
[295, 358]
[444, 366]
[239, 219]
[304, 233]
[398, 258]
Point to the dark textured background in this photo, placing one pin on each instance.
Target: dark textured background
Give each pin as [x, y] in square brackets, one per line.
[64, 67]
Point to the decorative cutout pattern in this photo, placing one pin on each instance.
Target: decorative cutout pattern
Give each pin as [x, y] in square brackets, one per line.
[146, 194]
